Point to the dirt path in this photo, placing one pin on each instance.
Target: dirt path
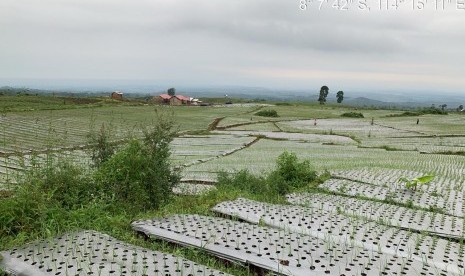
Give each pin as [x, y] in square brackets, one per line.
[201, 161]
[214, 125]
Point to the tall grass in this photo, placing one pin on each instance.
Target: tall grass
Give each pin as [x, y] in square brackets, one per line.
[57, 194]
[290, 174]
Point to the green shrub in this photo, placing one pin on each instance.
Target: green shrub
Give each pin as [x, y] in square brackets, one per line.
[140, 175]
[58, 195]
[243, 180]
[290, 174]
[45, 194]
[419, 112]
[267, 113]
[353, 115]
[101, 147]
[433, 110]
[66, 183]
[406, 114]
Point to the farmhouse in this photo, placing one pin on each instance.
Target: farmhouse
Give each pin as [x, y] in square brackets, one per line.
[163, 99]
[184, 99]
[117, 95]
[173, 100]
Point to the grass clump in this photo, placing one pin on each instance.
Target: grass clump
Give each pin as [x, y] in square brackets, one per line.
[44, 197]
[417, 181]
[267, 113]
[283, 104]
[353, 115]
[290, 174]
[101, 147]
[59, 195]
[419, 112]
[140, 175]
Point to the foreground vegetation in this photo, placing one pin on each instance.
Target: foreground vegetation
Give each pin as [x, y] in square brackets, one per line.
[134, 180]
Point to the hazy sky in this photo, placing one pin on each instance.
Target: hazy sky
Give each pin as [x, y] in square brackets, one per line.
[269, 43]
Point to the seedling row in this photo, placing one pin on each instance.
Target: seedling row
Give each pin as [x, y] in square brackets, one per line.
[93, 253]
[351, 230]
[281, 251]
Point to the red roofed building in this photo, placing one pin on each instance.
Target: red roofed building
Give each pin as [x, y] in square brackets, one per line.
[172, 100]
[162, 99]
[184, 99]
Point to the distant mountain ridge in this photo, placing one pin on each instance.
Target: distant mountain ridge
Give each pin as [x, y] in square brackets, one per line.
[410, 99]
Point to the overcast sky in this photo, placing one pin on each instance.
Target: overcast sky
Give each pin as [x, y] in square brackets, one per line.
[269, 43]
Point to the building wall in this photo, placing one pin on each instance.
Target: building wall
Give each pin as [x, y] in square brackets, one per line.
[175, 101]
[160, 100]
[116, 96]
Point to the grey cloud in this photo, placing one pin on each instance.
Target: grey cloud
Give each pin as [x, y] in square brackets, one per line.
[239, 41]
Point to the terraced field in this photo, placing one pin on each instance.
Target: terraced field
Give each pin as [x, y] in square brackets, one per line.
[361, 220]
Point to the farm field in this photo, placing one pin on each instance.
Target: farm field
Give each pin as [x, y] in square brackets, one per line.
[358, 218]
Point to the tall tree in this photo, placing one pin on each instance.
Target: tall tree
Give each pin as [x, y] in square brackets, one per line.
[443, 106]
[324, 91]
[340, 96]
[172, 91]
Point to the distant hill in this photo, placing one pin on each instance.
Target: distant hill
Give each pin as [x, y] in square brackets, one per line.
[363, 101]
[367, 102]
[380, 99]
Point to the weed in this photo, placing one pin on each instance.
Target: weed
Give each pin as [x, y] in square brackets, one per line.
[289, 175]
[101, 148]
[352, 115]
[414, 182]
[422, 111]
[267, 113]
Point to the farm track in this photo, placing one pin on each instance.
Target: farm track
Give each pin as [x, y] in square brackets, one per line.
[261, 122]
[410, 131]
[277, 126]
[213, 125]
[430, 136]
[252, 111]
[241, 124]
[202, 161]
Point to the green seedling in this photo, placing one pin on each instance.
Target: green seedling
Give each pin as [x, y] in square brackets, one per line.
[415, 182]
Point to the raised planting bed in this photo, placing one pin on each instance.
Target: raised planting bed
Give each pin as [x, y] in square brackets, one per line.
[391, 178]
[414, 220]
[94, 253]
[357, 127]
[311, 138]
[441, 254]
[185, 188]
[450, 203]
[280, 251]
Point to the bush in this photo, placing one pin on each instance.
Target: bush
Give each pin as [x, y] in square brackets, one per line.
[290, 174]
[243, 180]
[44, 195]
[65, 183]
[58, 195]
[101, 148]
[353, 115]
[267, 113]
[433, 110]
[140, 176]
[422, 111]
